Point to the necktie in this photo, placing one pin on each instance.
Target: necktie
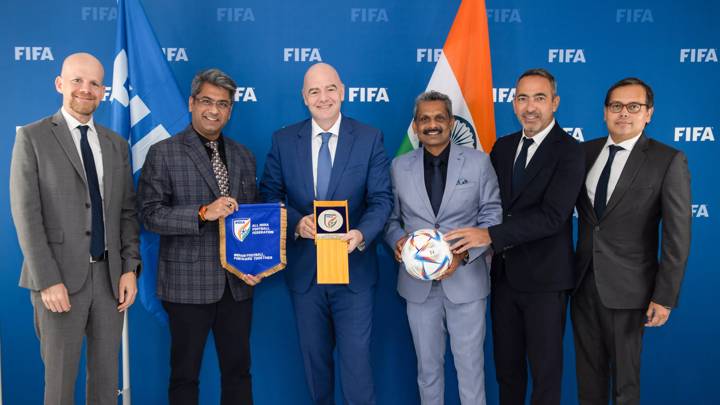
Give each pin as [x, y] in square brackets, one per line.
[436, 185]
[518, 177]
[219, 168]
[97, 234]
[324, 167]
[600, 202]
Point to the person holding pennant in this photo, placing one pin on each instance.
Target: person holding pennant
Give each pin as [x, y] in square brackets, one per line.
[331, 157]
[188, 185]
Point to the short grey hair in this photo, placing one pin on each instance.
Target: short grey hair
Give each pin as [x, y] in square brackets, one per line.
[432, 95]
[213, 76]
[542, 73]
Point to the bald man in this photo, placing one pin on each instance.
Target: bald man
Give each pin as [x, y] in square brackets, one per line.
[73, 204]
[331, 157]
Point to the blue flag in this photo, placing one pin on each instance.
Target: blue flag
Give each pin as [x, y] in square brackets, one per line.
[146, 107]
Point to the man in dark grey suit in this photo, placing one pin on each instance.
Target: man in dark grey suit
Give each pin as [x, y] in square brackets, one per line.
[188, 182]
[633, 185]
[73, 203]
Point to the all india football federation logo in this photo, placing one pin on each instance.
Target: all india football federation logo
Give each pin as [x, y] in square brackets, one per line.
[241, 228]
[330, 220]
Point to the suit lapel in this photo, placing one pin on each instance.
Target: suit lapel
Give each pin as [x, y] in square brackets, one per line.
[197, 153]
[304, 159]
[507, 163]
[233, 167]
[345, 142]
[456, 161]
[593, 151]
[108, 155]
[632, 166]
[63, 136]
[538, 159]
[415, 166]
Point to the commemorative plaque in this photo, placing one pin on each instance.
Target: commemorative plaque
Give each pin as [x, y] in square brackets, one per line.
[331, 224]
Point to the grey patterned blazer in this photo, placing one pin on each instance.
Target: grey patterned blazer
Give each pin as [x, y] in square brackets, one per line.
[176, 180]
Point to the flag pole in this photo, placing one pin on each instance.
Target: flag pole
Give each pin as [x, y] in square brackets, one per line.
[125, 391]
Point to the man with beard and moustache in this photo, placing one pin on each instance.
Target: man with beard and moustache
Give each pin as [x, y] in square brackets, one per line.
[634, 184]
[331, 157]
[452, 188]
[188, 184]
[73, 204]
[540, 171]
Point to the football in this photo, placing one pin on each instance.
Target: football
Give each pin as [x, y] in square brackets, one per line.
[426, 255]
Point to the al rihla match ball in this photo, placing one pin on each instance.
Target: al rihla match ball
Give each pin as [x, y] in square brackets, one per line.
[426, 255]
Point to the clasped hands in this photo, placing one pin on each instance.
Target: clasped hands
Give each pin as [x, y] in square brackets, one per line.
[306, 229]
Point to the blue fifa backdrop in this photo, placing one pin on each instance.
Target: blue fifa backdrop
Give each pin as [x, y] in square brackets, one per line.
[385, 52]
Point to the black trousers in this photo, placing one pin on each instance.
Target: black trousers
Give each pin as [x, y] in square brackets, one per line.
[527, 327]
[608, 343]
[190, 324]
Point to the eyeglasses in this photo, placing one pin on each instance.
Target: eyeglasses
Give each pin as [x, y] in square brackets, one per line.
[632, 108]
[208, 102]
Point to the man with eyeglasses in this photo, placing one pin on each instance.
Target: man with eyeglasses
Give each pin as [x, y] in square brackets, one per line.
[634, 185]
[188, 183]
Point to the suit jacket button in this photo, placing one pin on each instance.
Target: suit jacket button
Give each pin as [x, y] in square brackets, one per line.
[87, 205]
[437, 226]
[87, 233]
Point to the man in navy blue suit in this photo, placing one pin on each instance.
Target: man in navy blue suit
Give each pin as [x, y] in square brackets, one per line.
[331, 157]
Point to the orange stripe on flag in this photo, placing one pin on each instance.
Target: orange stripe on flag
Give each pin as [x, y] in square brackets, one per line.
[467, 50]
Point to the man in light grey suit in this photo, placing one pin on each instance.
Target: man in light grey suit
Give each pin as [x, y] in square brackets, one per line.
[72, 200]
[453, 189]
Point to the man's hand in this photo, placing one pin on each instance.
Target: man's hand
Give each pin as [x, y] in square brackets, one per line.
[220, 208]
[251, 280]
[55, 298]
[127, 290]
[657, 315]
[399, 247]
[306, 227]
[466, 238]
[354, 238]
[456, 262]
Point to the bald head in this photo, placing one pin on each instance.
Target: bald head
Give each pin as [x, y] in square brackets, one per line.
[80, 83]
[323, 93]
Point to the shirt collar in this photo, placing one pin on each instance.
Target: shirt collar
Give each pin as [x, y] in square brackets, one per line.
[540, 136]
[73, 123]
[334, 129]
[627, 144]
[444, 156]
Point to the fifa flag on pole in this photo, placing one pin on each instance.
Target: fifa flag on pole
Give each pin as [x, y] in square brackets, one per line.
[463, 73]
[146, 107]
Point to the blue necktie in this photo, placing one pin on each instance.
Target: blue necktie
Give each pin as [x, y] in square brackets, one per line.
[97, 235]
[437, 188]
[324, 167]
[518, 177]
[600, 202]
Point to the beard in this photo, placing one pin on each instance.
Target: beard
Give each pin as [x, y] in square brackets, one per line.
[84, 108]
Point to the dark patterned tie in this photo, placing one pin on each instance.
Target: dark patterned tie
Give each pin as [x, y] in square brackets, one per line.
[221, 172]
[97, 234]
[518, 177]
[324, 167]
[601, 190]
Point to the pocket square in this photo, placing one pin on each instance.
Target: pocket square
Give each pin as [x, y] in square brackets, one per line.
[461, 181]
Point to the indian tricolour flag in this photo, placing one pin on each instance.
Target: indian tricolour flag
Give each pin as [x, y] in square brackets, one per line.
[463, 73]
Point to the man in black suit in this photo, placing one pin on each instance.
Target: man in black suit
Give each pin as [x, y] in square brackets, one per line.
[540, 171]
[634, 184]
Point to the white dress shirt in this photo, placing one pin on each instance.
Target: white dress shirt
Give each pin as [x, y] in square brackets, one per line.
[92, 140]
[616, 169]
[317, 142]
[537, 140]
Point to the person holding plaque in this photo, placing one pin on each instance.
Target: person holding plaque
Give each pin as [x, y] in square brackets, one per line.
[331, 157]
[453, 189]
[188, 183]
